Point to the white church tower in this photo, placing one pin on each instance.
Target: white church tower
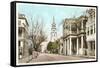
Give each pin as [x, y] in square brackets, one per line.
[53, 31]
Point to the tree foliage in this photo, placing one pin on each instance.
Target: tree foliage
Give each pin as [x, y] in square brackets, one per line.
[53, 47]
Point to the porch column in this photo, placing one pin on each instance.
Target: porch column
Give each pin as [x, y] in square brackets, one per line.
[64, 47]
[70, 46]
[82, 26]
[70, 29]
[77, 43]
[82, 44]
[93, 29]
[77, 46]
[21, 48]
[67, 46]
[89, 48]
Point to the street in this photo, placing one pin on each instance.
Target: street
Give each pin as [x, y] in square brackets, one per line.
[43, 57]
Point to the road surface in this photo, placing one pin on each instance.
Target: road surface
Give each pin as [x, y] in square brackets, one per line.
[42, 57]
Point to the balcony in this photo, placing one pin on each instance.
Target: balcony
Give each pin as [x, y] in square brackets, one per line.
[23, 26]
[70, 33]
[21, 37]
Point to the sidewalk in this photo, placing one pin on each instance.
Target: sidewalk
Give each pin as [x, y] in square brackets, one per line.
[29, 58]
[90, 57]
[26, 59]
[86, 56]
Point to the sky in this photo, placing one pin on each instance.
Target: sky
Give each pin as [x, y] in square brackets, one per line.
[45, 14]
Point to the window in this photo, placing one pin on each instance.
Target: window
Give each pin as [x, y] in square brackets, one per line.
[91, 29]
[19, 31]
[20, 48]
[24, 25]
[19, 43]
[19, 22]
[94, 28]
[88, 31]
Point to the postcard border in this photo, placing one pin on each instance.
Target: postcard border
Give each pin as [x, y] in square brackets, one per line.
[13, 33]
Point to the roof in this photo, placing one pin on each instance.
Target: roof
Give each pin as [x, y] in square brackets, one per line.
[22, 16]
[75, 20]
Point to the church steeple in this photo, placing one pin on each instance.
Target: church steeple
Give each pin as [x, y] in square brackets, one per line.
[53, 24]
[53, 30]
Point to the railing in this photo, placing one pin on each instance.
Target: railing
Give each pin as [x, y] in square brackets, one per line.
[70, 32]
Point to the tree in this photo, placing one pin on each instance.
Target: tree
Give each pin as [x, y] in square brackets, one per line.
[49, 47]
[90, 12]
[53, 47]
[37, 34]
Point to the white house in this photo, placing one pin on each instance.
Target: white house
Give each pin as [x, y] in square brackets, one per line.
[22, 36]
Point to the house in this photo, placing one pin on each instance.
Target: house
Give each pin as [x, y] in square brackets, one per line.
[22, 36]
[74, 36]
[91, 32]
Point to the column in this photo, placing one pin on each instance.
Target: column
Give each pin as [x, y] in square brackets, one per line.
[77, 31]
[89, 48]
[70, 29]
[77, 43]
[70, 46]
[77, 46]
[21, 47]
[64, 47]
[93, 28]
[67, 47]
[60, 49]
[82, 26]
[82, 44]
